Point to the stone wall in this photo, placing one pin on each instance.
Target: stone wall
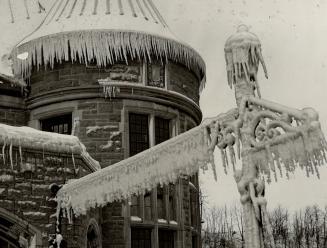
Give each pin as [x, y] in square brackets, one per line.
[24, 187]
[113, 229]
[100, 129]
[11, 116]
[183, 81]
[67, 75]
[12, 108]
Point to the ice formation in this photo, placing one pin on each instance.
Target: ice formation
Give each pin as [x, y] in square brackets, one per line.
[136, 219]
[107, 31]
[243, 54]
[279, 137]
[94, 129]
[288, 144]
[26, 137]
[161, 164]
[107, 146]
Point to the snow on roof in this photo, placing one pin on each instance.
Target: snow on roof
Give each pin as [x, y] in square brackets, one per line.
[161, 164]
[30, 138]
[18, 18]
[106, 30]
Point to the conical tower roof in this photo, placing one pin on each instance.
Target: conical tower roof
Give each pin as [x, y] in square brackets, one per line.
[107, 30]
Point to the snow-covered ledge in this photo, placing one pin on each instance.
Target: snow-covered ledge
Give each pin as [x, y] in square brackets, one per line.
[30, 138]
[112, 88]
[136, 219]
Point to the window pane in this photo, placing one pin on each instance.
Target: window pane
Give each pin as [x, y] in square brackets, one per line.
[138, 133]
[59, 124]
[172, 202]
[147, 207]
[161, 130]
[161, 203]
[134, 206]
[194, 201]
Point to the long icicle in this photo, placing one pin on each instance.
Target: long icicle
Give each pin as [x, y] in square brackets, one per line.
[10, 156]
[3, 153]
[86, 45]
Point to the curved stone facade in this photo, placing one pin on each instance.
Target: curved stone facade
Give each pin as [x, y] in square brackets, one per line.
[12, 105]
[168, 92]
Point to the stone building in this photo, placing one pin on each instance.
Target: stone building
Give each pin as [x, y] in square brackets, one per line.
[111, 80]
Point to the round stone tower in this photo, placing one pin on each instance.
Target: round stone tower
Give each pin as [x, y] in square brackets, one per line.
[113, 74]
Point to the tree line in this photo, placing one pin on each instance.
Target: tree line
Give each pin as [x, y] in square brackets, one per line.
[305, 228]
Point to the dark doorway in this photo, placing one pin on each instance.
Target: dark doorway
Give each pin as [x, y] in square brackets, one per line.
[141, 237]
[166, 239]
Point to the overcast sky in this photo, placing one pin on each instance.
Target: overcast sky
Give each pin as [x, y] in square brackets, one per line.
[293, 34]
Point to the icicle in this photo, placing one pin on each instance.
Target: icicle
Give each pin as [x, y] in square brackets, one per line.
[73, 159]
[213, 167]
[10, 156]
[59, 239]
[16, 159]
[269, 155]
[3, 153]
[222, 153]
[88, 45]
[232, 156]
[278, 164]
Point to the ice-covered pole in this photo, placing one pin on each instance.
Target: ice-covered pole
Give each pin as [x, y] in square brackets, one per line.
[243, 55]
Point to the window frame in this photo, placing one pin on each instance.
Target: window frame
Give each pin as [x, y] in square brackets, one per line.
[56, 117]
[147, 134]
[165, 72]
[152, 110]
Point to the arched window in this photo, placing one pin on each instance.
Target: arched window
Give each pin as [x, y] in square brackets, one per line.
[93, 235]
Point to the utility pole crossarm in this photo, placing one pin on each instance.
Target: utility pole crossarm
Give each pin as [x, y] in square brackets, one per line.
[276, 134]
